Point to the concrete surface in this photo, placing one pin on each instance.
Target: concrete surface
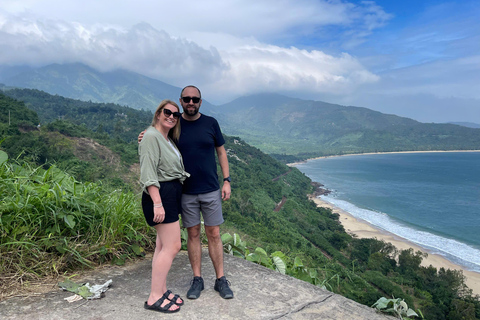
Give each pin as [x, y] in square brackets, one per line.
[260, 293]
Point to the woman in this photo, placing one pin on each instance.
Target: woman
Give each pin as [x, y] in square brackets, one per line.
[161, 175]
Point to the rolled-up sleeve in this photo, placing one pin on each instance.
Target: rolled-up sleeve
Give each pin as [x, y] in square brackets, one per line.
[149, 153]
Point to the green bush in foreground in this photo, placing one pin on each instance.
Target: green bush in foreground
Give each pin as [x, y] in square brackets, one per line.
[49, 222]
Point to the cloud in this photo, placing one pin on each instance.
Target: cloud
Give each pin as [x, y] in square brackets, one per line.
[141, 49]
[271, 68]
[265, 20]
[146, 50]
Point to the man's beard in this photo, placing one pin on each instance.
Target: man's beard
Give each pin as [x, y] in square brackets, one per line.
[191, 112]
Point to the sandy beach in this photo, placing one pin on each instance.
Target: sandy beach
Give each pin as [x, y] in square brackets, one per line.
[370, 153]
[362, 229]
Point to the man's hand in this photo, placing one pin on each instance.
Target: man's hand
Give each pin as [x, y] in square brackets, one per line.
[140, 136]
[226, 191]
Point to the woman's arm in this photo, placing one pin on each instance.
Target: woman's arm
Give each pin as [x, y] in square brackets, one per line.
[158, 209]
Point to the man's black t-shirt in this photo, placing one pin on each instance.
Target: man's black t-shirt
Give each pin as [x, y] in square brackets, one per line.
[197, 143]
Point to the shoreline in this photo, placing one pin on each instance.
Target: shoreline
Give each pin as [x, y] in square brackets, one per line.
[362, 229]
[373, 153]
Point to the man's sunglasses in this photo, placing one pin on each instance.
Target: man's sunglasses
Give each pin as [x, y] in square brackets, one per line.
[194, 99]
[168, 113]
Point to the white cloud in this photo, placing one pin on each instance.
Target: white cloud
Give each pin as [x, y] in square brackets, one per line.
[143, 49]
[261, 19]
[271, 68]
[140, 49]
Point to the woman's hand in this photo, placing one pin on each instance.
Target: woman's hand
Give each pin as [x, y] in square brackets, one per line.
[158, 214]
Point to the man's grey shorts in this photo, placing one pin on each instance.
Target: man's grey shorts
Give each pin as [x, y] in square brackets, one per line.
[210, 204]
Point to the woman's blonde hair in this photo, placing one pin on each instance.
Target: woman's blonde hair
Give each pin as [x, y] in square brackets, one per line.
[174, 133]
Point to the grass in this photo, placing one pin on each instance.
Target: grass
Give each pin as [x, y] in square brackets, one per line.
[51, 224]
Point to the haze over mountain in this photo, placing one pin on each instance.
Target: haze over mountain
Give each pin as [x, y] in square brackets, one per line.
[78, 81]
[467, 124]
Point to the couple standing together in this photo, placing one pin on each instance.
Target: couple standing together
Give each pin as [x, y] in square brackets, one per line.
[176, 147]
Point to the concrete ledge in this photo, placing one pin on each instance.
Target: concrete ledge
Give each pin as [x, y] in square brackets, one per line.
[260, 293]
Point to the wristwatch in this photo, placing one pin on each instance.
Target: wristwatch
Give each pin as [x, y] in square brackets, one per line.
[227, 179]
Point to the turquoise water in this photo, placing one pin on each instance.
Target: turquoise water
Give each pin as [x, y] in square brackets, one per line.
[431, 199]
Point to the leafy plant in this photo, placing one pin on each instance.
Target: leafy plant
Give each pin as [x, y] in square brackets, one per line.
[233, 245]
[397, 307]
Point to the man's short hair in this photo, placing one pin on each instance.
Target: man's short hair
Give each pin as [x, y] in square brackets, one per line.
[191, 86]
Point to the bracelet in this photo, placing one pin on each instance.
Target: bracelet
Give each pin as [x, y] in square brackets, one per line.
[158, 205]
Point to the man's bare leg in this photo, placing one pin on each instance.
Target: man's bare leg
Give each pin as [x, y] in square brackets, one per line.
[194, 247]
[215, 249]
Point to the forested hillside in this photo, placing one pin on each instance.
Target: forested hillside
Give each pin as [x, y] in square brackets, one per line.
[69, 211]
[117, 121]
[285, 126]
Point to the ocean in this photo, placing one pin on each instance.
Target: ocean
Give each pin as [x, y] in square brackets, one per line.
[430, 199]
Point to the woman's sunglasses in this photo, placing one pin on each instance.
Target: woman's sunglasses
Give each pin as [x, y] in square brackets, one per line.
[168, 113]
[194, 99]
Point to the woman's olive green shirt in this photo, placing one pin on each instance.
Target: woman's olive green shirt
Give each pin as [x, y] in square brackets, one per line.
[158, 160]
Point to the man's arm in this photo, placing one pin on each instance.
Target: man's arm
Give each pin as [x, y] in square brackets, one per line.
[223, 161]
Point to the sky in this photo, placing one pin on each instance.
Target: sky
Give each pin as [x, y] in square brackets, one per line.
[418, 59]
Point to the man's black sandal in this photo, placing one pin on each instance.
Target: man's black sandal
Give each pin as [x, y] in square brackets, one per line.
[174, 299]
[157, 306]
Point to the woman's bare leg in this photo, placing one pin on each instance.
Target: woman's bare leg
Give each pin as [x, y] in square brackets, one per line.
[168, 244]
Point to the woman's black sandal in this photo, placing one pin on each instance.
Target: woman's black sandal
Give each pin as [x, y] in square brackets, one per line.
[174, 299]
[157, 306]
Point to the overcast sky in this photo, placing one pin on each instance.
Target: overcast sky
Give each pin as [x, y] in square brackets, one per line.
[414, 58]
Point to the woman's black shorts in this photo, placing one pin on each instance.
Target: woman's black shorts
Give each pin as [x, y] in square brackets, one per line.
[171, 194]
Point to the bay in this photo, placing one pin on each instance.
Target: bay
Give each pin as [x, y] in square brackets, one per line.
[431, 199]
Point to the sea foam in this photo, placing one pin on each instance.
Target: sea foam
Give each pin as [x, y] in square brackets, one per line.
[453, 250]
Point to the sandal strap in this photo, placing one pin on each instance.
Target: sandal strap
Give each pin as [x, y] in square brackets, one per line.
[158, 303]
[166, 307]
[175, 296]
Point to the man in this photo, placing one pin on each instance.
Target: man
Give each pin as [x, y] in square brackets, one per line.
[200, 139]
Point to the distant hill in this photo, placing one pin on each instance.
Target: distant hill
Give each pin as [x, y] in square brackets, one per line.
[467, 124]
[122, 122]
[78, 81]
[281, 125]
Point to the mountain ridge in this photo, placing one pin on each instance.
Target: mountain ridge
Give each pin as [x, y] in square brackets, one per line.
[282, 125]
[78, 81]
[277, 124]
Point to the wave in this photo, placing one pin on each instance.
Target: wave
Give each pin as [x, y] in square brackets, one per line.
[453, 250]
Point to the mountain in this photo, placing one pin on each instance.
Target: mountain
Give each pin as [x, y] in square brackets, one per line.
[281, 125]
[7, 72]
[276, 124]
[78, 81]
[467, 124]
